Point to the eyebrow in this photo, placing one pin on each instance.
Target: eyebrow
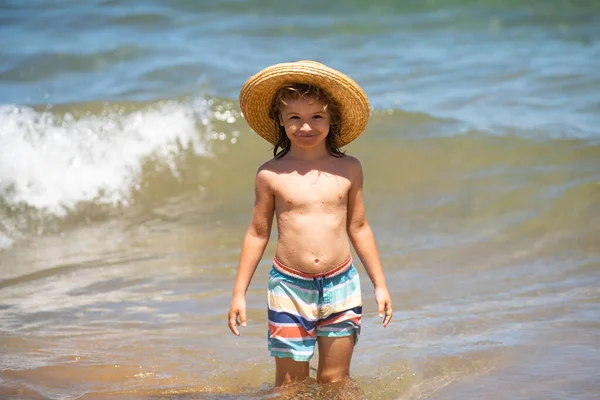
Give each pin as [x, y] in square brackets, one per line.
[296, 113]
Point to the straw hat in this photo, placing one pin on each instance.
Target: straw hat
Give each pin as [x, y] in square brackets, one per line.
[257, 94]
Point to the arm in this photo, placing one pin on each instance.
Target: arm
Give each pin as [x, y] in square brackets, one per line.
[253, 247]
[362, 239]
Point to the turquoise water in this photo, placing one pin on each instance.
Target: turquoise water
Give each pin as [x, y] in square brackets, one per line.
[126, 174]
[494, 64]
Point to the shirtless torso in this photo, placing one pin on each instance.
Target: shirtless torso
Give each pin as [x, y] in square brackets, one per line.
[310, 201]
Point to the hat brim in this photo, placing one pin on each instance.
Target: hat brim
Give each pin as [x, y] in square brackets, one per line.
[257, 93]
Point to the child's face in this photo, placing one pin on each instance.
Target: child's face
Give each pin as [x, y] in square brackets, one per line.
[306, 122]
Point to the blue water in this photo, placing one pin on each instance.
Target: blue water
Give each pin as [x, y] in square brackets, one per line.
[493, 65]
[126, 174]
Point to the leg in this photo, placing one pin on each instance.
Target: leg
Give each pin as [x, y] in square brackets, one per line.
[292, 332]
[335, 354]
[289, 371]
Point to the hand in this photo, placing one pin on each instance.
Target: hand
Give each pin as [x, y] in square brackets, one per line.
[237, 309]
[384, 304]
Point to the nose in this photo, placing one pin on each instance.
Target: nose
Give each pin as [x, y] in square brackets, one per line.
[305, 127]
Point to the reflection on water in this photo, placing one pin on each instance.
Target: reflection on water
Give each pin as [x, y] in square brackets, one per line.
[126, 173]
[492, 262]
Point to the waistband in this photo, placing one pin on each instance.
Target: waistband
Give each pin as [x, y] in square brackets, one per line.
[341, 268]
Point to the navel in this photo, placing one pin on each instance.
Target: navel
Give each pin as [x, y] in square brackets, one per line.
[316, 260]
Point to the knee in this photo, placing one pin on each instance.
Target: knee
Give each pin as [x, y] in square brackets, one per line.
[288, 371]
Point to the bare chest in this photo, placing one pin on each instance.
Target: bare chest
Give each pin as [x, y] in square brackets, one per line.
[311, 190]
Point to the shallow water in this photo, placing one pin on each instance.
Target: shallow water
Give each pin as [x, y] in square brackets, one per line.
[126, 175]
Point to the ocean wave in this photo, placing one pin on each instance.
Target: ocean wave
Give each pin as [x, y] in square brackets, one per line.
[74, 164]
[53, 162]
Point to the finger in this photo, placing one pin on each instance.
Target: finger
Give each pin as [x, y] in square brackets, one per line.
[232, 324]
[380, 308]
[243, 318]
[388, 317]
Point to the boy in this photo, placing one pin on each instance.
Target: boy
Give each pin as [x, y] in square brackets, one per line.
[308, 111]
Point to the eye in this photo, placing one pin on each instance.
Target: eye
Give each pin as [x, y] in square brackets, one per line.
[317, 117]
[294, 117]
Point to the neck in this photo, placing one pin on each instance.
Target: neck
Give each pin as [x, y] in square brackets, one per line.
[308, 154]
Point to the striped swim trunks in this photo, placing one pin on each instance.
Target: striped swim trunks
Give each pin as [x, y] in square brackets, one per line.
[304, 306]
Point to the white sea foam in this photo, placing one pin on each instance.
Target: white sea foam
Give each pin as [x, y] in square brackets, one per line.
[53, 162]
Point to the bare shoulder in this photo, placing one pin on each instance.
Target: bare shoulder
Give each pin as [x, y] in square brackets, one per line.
[266, 173]
[351, 162]
[268, 168]
[351, 166]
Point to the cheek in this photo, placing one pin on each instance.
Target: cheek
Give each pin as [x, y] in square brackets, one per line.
[290, 128]
[325, 122]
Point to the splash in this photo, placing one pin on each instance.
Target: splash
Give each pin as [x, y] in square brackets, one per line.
[51, 162]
